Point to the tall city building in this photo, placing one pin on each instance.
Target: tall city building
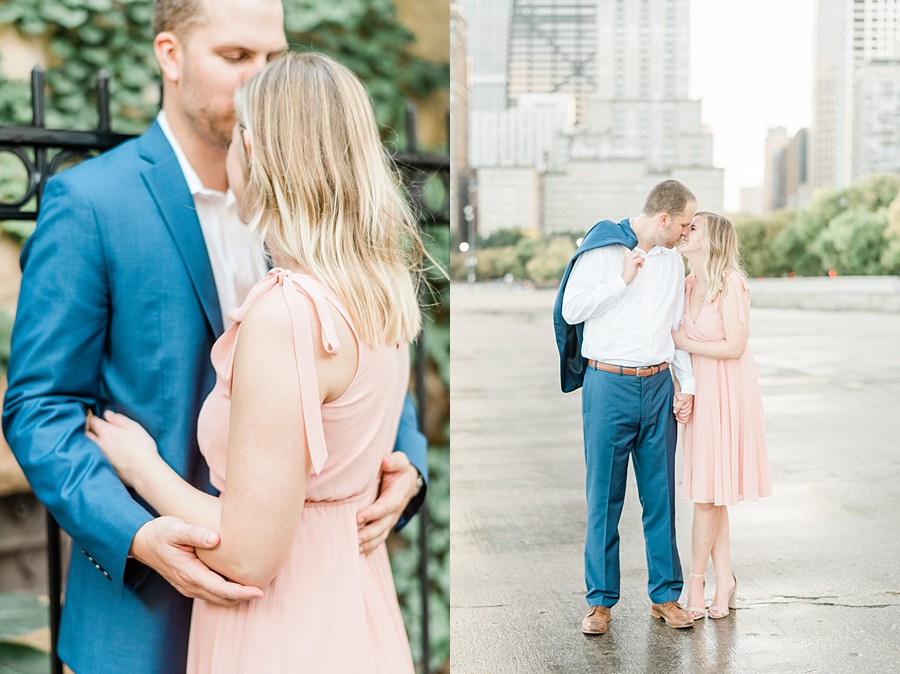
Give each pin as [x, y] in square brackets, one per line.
[849, 35]
[624, 67]
[641, 103]
[530, 134]
[639, 126]
[775, 173]
[553, 49]
[642, 52]
[876, 118]
[786, 176]
[797, 185]
[459, 104]
[487, 43]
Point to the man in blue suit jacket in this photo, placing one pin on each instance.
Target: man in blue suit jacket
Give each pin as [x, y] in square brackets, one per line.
[121, 302]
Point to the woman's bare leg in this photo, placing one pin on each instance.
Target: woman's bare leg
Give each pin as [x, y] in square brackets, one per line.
[721, 557]
[704, 533]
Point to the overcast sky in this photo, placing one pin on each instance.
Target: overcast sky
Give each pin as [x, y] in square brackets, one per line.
[752, 68]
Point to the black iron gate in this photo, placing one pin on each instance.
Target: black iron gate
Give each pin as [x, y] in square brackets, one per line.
[51, 149]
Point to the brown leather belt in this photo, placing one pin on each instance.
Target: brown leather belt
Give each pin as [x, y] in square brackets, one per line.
[647, 371]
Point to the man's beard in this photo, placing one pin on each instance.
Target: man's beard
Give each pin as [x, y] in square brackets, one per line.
[213, 127]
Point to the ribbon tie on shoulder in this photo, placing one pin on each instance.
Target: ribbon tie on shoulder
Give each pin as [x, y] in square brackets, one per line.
[300, 293]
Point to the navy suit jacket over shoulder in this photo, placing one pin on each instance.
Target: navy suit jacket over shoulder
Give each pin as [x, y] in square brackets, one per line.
[568, 337]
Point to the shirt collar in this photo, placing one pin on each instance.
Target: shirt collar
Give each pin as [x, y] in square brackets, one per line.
[195, 185]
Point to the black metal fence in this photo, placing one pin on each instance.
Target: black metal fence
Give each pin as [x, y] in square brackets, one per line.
[43, 152]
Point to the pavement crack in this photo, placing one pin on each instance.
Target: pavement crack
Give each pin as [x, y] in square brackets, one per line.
[797, 596]
[818, 601]
[481, 606]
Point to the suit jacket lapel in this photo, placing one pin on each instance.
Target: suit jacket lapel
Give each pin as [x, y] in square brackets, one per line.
[168, 188]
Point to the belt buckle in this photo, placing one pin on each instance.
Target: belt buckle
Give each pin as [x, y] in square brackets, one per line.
[648, 368]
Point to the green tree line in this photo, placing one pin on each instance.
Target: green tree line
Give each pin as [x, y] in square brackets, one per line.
[849, 231]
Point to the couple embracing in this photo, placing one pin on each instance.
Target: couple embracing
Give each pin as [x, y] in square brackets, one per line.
[653, 349]
[218, 439]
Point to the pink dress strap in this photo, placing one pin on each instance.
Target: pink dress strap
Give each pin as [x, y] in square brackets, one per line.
[736, 282]
[300, 294]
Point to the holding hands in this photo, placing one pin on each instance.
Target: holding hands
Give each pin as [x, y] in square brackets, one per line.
[683, 406]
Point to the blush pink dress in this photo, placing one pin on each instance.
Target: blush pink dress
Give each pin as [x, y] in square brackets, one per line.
[725, 459]
[330, 610]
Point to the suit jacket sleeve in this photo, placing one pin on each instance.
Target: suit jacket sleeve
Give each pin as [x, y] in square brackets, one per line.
[58, 347]
[412, 442]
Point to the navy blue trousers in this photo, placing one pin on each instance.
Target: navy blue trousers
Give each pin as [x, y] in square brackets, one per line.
[629, 416]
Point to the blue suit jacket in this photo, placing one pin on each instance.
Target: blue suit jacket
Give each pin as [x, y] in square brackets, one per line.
[118, 310]
[568, 337]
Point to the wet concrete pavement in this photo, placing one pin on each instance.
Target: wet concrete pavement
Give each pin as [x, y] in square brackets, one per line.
[818, 564]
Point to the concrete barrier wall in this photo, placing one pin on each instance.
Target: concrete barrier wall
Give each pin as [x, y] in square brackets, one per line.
[844, 293]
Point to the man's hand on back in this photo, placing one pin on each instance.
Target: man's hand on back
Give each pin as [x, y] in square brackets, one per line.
[398, 486]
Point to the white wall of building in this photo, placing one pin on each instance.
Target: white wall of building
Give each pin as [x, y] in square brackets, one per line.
[508, 198]
[876, 119]
[707, 184]
[529, 135]
[592, 190]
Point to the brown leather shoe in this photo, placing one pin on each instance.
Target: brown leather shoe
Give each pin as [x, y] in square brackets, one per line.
[673, 614]
[597, 621]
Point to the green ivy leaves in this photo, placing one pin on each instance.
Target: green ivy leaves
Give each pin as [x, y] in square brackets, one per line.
[86, 35]
[21, 615]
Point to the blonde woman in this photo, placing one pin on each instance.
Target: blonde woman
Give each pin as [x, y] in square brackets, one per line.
[724, 444]
[310, 384]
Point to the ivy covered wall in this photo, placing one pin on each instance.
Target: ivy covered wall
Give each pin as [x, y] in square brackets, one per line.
[82, 36]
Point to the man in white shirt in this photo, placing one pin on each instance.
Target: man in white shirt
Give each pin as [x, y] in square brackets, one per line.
[630, 298]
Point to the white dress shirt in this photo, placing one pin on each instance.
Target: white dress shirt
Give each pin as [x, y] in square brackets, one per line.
[236, 256]
[629, 325]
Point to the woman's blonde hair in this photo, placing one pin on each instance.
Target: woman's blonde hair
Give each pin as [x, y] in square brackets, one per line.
[722, 252]
[325, 194]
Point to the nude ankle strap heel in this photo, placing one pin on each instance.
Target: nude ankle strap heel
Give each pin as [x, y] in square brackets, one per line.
[722, 611]
[698, 612]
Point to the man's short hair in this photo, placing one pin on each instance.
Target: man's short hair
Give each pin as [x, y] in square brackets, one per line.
[176, 16]
[669, 196]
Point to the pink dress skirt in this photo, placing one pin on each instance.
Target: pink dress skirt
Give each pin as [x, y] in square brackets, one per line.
[724, 441]
[330, 610]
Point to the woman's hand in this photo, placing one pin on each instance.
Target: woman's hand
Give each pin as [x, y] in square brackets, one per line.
[129, 448]
[679, 336]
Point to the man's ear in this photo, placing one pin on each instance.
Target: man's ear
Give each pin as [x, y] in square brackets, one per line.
[662, 220]
[169, 55]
